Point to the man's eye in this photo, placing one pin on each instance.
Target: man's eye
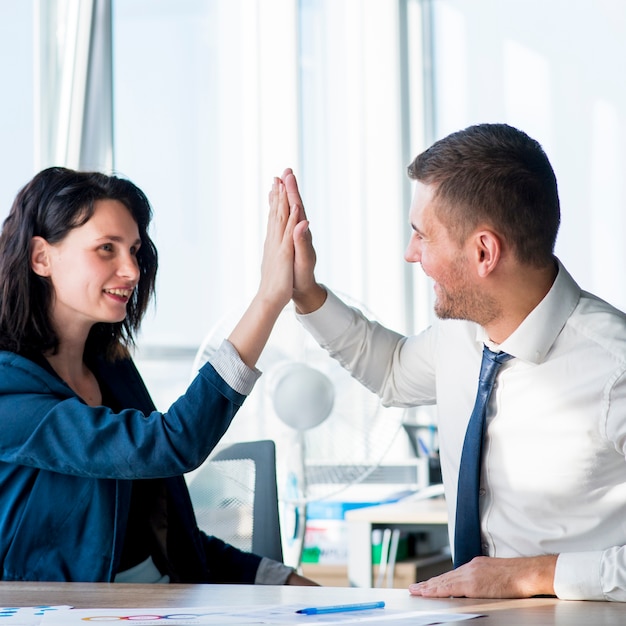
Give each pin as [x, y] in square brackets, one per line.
[107, 247]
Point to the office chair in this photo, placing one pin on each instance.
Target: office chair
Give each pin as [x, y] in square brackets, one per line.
[235, 497]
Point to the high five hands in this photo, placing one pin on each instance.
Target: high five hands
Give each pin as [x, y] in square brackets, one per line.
[286, 224]
[308, 295]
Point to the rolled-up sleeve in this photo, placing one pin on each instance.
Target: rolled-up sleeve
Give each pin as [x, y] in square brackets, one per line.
[228, 364]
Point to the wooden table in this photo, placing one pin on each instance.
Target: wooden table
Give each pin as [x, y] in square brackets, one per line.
[535, 611]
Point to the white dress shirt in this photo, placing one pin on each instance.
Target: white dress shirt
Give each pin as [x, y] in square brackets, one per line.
[554, 472]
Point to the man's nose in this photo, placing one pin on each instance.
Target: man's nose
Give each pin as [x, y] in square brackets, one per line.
[413, 252]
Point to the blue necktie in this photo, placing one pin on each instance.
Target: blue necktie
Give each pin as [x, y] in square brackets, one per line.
[467, 542]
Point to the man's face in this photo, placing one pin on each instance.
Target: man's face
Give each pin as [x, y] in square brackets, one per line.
[446, 262]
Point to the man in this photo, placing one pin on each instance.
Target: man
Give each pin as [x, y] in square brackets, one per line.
[551, 512]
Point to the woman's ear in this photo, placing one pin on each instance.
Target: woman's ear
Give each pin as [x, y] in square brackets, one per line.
[39, 256]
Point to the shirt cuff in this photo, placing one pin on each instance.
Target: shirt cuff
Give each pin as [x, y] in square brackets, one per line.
[577, 576]
[228, 364]
[328, 322]
[272, 573]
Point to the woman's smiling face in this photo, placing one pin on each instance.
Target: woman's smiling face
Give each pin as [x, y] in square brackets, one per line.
[93, 270]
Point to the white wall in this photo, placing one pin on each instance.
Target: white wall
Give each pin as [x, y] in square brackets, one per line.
[555, 69]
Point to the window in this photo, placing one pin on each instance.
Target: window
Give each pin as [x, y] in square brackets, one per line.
[213, 99]
[549, 68]
[17, 115]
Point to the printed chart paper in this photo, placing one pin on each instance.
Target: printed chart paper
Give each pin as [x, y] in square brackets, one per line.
[237, 616]
[26, 615]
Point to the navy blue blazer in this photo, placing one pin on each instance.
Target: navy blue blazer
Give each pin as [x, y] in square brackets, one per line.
[67, 469]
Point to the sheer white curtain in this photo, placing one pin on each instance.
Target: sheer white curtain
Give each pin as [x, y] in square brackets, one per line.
[353, 169]
[206, 113]
[554, 70]
[17, 103]
[215, 97]
[73, 84]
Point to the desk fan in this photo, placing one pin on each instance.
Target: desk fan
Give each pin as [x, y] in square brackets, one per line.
[330, 431]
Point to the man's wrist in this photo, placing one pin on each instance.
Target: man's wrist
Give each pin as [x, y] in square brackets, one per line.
[540, 577]
[309, 300]
[549, 569]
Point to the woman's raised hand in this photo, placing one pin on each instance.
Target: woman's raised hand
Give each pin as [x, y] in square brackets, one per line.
[278, 252]
[277, 277]
[308, 295]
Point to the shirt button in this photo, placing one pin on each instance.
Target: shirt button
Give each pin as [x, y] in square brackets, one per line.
[482, 492]
[484, 548]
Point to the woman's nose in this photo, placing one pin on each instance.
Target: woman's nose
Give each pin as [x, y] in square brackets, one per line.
[129, 267]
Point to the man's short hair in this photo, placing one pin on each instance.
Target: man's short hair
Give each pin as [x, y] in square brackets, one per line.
[494, 175]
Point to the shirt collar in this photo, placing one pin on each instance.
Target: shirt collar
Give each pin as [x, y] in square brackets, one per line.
[534, 337]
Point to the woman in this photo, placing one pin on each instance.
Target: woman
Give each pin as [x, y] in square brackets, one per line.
[91, 485]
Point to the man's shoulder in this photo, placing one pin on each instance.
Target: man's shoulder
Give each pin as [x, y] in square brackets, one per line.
[600, 321]
[593, 308]
[589, 307]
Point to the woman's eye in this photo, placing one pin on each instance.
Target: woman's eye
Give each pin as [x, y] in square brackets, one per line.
[107, 247]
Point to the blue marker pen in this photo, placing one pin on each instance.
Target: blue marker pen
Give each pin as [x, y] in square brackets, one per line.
[342, 608]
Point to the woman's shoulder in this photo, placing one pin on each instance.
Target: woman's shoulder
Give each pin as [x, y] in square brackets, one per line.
[10, 360]
[19, 373]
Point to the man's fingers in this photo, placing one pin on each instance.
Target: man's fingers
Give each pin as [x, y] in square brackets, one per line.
[301, 231]
[293, 193]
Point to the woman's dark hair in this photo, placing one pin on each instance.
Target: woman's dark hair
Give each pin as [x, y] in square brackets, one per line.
[54, 202]
[494, 174]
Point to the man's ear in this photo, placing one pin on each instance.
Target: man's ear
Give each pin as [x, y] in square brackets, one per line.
[487, 251]
[39, 256]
